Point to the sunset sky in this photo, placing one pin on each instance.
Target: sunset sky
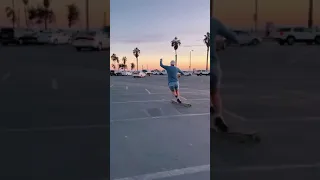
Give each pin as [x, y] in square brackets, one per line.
[97, 9]
[281, 12]
[151, 25]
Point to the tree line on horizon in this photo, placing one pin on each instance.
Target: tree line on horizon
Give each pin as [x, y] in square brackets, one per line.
[175, 43]
[42, 13]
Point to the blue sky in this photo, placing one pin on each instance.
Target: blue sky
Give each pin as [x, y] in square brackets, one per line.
[150, 25]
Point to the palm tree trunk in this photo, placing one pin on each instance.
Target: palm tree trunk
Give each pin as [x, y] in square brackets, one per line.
[207, 59]
[137, 65]
[176, 57]
[25, 16]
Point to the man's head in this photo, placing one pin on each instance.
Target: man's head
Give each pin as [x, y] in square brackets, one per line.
[172, 63]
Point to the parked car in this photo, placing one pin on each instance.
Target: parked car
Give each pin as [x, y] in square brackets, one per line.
[60, 38]
[94, 40]
[202, 72]
[137, 74]
[118, 73]
[292, 35]
[17, 36]
[126, 73]
[155, 72]
[112, 73]
[247, 38]
[44, 36]
[187, 73]
[221, 43]
[147, 72]
[163, 72]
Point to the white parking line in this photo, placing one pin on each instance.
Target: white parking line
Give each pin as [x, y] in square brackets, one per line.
[119, 94]
[148, 91]
[162, 100]
[6, 76]
[158, 117]
[126, 87]
[54, 83]
[170, 173]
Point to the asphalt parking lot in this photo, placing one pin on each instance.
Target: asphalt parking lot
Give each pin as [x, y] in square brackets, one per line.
[268, 88]
[53, 118]
[151, 135]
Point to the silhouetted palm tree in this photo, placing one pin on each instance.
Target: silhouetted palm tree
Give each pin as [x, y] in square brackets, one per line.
[11, 15]
[136, 53]
[124, 62]
[115, 59]
[206, 41]
[32, 15]
[132, 66]
[113, 66]
[73, 14]
[175, 43]
[26, 4]
[43, 13]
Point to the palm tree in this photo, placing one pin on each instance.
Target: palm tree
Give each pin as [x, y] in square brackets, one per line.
[113, 66]
[124, 61]
[115, 59]
[26, 3]
[175, 43]
[136, 53]
[73, 14]
[11, 14]
[32, 15]
[132, 66]
[43, 13]
[206, 41]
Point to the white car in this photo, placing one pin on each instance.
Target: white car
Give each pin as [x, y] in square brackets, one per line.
[94, 40]
[246, 38]
[147, 72]
[126, 73]
[291, 35]
[202, 72]
[137, 74]
[155, 72]
[187, 73]
[60, 38]
[163, 72]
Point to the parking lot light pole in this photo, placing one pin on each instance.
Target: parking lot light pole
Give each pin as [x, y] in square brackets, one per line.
[310, 14]
[190, 61]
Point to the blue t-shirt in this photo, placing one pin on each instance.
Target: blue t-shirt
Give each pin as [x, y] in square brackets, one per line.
[217, 28]
[172, 72]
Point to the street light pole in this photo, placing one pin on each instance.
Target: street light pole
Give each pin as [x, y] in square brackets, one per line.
[87, 15]
[190, 61]
[14, 14]
[310, 14]
[255, 16]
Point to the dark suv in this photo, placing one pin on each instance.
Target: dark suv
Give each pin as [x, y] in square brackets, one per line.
[12, 36]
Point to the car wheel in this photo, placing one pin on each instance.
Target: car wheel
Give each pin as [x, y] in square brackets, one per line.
[317, 40]
[291, 40]
[55, 42]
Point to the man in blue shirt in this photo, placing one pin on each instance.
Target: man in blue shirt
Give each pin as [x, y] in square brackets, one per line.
[217, 28]
[173, 81]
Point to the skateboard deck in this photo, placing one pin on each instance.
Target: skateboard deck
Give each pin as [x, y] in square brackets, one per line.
[183, 103]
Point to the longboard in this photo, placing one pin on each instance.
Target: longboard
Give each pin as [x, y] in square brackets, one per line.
[183, 103]
[243, 137]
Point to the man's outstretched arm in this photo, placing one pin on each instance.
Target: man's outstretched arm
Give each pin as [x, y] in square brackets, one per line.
[181, 72]
[223, 31]
[163, 66]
